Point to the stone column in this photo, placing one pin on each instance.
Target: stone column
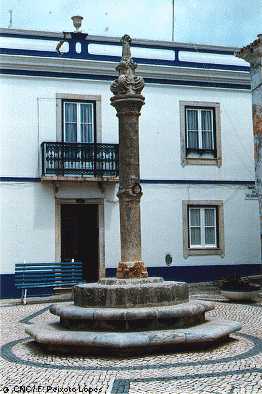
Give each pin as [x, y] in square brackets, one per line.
[127, 101]
[253, 54]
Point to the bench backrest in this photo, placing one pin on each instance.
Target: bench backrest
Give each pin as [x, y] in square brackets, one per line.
[30, 275]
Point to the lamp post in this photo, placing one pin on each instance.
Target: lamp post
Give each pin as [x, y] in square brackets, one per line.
[127, 101]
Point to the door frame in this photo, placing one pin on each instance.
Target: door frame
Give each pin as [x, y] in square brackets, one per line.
[101, 228]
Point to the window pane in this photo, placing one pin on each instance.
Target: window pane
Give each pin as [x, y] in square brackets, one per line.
[70, 112]
[206, 120]
[193, 140]
[86, 113]
[210, 236]
[207, 129]
[192, 128]
[84, 134]
[194, 217]
[90, 133]
[87, 133]
[195, 236]
[207, 140]
[70, 132]
[87, 128]
[192, 119]
[209, 216]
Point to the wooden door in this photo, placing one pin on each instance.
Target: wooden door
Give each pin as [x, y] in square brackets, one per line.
[79, 237]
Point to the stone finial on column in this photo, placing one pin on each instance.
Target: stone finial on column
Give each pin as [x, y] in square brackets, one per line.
[127, 82]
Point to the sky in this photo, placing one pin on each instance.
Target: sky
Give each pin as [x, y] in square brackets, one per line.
[218, 22]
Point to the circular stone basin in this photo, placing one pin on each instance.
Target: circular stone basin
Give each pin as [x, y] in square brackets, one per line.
[115, 293]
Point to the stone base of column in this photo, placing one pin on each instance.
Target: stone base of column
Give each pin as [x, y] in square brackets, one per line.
[131, 269]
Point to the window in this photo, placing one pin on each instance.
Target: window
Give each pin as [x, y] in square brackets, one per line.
[203, 228]
[200, 130]
[78, 121]
[78, 118]
[200, 133]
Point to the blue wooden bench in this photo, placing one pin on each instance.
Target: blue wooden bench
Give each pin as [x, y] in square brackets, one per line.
[36, 275]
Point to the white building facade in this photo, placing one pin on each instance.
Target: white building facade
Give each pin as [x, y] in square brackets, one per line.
[59, 158]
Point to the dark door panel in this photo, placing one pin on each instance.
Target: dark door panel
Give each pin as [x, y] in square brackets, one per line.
[79, 237]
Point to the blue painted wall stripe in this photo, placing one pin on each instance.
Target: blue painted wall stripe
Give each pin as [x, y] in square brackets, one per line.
[19, 179]
[8, 289]
[84, 55]
[152, 181]
[201, 273]
[110, 78]
[188, 274]
[198, 181]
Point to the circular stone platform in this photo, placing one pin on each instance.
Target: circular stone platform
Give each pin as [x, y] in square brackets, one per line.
[131, 316]
[57, 339]
[149, 318]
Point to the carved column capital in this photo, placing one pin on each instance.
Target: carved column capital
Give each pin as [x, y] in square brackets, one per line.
[128, 104]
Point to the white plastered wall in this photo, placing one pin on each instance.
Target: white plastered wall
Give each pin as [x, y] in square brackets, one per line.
[28, 111]
[162, 231]
[27, 224]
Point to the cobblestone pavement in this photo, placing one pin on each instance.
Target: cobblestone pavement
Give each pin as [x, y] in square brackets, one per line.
[233, 367]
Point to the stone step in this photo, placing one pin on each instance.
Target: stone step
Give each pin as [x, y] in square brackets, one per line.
[150, 318]
[54, 338]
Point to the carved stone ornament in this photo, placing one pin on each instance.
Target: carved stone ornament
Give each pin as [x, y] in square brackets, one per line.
[127, 82]
[127, 270]
[131, 191]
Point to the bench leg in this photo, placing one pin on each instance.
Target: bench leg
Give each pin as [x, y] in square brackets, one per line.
[24, 296]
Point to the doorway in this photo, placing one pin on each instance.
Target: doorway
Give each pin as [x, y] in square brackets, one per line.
[80, 237]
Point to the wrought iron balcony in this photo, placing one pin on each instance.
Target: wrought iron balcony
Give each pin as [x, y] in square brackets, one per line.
[82, 159]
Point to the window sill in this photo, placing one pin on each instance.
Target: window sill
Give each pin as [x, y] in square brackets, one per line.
[203, 252]
[202, 161]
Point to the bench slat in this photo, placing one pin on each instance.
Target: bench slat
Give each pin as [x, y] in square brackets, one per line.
[38, 267]
[58, 284]
[47, 273]
[48, 276]
[48, 281]
[24, 267]
[35, 282]
[51, 262]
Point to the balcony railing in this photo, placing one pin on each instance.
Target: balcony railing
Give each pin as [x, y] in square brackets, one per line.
[82, 159]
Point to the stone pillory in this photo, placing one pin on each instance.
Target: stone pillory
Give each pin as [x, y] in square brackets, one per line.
[127, 101]
[131, 313]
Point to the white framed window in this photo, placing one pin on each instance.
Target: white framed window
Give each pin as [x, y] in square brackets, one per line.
[79, 121]
[200, 133]
[200, 129]
[202, 227]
